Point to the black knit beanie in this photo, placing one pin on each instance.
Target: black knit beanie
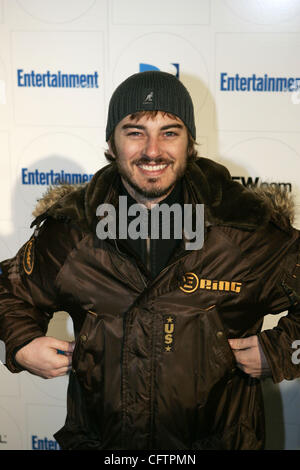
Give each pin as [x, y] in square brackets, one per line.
[151, 90]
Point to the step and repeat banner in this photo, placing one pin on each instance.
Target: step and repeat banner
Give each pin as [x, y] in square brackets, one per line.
[60, 60]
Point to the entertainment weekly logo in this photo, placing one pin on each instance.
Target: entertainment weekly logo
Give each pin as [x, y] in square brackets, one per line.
[257, 182]
[51, 79]
[43, 443]
[56, 79]
[53, 177]
[147, 67]
[258, 83]
[261, 84]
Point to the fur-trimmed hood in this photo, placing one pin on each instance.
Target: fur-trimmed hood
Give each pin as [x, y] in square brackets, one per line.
[227, 202]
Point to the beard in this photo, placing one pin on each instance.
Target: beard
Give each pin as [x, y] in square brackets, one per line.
[152, 193]
[156, 191]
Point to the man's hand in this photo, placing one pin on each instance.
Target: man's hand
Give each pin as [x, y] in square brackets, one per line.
[250, 357]
[41, 357]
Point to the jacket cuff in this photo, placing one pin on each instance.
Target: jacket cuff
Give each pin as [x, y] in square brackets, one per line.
[273, 355]
[280, 353]
[11, 362]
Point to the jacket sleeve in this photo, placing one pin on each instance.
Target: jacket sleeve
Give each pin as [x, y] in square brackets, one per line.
[280, 344]
[28, 294]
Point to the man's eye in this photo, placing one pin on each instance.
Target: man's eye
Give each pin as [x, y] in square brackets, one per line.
[134, 133]
[170, 133]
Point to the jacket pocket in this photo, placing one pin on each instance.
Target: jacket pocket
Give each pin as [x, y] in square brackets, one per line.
[195, 347]
[214, 359]
[89, 351]
[192, 374]
[236, 437]
[82, 429]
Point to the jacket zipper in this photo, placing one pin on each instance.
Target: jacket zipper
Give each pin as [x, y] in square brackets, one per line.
[124, 255]
[152, 358]
[151, 434]
[148, 254]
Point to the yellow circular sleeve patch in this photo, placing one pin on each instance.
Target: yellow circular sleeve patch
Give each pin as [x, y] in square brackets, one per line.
[28, 257]
[190, 283]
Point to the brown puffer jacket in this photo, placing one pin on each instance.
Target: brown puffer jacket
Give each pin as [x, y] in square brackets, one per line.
[152, 367]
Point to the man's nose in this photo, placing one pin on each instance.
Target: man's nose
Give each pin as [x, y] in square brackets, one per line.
[152, 149]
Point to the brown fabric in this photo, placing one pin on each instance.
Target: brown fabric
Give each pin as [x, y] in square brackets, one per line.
[152, 368]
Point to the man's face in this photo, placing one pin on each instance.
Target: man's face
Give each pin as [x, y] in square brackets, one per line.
[151, 154]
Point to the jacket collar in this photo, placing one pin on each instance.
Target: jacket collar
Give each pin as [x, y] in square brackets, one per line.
[226, 201]
[205, 182]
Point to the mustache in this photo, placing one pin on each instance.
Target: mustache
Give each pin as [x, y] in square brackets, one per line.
[147, 160]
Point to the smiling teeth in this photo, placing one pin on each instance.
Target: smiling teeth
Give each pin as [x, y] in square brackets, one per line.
[153, 167]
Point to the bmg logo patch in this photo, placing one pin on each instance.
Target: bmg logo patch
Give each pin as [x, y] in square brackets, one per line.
[191, 282]
[168, 333]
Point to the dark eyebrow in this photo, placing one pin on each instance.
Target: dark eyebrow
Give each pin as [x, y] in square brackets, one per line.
[170, 126]
[138, 126]
[133, 126]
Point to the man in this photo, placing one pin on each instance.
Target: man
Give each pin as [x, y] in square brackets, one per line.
[169, 349]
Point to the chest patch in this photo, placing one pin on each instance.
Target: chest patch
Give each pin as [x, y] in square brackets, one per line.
[28, 257]
[191, 282]
[168, 333]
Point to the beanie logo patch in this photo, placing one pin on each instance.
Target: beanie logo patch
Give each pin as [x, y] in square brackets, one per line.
[149, 98]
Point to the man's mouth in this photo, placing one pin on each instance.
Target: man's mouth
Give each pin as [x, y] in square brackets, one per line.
[152, 168]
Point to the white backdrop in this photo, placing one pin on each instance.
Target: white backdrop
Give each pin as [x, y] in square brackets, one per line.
[46, 128]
